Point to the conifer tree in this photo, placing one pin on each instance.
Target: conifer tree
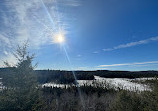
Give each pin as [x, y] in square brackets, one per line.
[21, 88]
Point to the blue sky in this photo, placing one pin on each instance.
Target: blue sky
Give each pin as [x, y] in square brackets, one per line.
[99, 34]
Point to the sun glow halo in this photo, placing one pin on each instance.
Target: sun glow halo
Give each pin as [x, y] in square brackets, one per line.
[59, 38]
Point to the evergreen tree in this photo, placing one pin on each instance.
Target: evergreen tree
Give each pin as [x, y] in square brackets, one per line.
[21, 88]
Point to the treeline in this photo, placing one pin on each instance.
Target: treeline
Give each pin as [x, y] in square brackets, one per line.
[125, 74]
[88, 90]
[23, 93]
[66, 77]
[63, 77]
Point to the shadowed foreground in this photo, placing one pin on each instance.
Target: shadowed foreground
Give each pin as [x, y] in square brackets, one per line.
[21, 92]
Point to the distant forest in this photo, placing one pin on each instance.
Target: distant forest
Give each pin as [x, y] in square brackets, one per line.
[66, 77]
[20, 89]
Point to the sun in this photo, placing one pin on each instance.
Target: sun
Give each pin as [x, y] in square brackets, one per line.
[59, 37]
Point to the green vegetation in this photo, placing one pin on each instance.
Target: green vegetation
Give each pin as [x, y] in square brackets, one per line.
[63, 77]
[20, 92]
[134, 101]
[23, 93]
[66, 77]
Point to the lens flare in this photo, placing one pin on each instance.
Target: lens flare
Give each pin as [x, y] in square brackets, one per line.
[60, 38]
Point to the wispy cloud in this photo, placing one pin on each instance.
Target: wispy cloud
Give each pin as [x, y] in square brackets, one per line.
[101, 68]
[74, 3]
[129, 64]
[131, 44]
[82, 68]
[8, 57]
[24, 20]
[95, 52]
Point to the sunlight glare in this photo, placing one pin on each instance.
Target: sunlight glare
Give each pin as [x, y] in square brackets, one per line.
[59, 37]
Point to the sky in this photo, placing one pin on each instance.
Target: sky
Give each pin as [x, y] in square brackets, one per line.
[98, 34]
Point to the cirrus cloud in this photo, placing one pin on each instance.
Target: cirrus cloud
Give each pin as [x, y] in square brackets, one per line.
[129, 64]
[131, 44]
